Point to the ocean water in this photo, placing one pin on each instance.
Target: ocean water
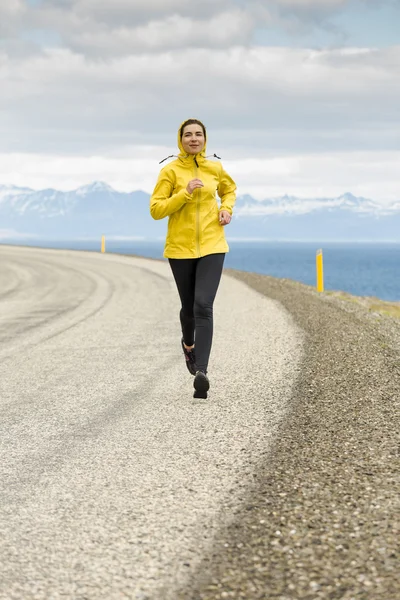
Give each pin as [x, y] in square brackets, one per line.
[358, 268]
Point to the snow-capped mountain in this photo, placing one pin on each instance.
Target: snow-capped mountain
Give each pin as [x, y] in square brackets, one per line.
[96, 186]
[50, 202]
[96, 209]
[293, 205]
[8, 191]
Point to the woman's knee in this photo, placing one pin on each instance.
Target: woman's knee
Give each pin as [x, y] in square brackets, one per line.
[203, 307]
[187, 313]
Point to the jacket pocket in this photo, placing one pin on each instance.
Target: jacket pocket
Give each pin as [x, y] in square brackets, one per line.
[181, 229]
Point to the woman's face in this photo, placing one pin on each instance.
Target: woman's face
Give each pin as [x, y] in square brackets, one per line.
[193, 140]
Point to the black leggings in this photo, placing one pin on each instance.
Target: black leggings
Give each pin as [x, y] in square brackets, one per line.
[197, 280]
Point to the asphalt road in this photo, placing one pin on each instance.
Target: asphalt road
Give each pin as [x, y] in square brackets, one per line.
[113, 479]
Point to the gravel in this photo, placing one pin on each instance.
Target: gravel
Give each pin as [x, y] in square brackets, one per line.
[322, 519]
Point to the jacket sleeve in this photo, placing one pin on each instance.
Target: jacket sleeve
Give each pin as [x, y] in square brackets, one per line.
[226, 191]
[162, 202]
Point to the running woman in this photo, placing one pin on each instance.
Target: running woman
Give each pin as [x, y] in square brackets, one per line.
[195, 245]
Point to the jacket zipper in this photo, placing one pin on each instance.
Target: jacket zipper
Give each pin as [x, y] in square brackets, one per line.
[197, 210]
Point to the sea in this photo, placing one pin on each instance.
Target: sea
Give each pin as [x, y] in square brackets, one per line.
[362, 269]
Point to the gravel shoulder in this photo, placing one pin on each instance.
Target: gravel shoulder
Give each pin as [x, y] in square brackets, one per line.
[322, 519]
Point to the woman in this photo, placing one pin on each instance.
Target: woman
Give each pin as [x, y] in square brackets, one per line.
[195, 245]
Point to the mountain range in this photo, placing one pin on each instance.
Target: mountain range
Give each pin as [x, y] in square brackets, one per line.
[96, 209]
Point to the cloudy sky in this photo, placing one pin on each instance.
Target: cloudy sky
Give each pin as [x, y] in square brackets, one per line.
[299, 96]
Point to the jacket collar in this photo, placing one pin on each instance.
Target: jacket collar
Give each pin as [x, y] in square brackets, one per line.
[190, 159]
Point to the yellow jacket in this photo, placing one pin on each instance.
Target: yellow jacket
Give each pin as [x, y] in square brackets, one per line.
[193, 225]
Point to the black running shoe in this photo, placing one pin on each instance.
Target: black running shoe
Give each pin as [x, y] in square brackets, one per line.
[190, 359]
[201, 385]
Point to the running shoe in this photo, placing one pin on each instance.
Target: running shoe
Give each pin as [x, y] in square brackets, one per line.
[201, 385]
[190, 359]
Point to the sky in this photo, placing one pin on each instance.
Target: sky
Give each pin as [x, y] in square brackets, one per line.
[299, 97]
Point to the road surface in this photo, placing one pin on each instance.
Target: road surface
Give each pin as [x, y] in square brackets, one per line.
[113, 479]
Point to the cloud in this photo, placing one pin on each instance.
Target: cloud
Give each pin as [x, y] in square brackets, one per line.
[370, 174]
[11, 14]
[12, 9]
[122, 27]
[128, 11]
[96, 79]
[308, 6]
[173, 32]
[317, 10]
[303, 17]
[61, 100]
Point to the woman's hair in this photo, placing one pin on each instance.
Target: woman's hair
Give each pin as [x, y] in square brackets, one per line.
[193, 122]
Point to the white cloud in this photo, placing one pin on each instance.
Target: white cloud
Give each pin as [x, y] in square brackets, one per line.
[316, 10]
[120, 26]
[125, 73]
[11, 9]
[11, 14]
[123, 10]
[118, 12]
[311, 5]
[262, 96]
[369, 174]
[175, 31]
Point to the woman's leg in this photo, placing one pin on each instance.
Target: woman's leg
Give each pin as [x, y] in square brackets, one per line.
[208, 276]
[184, 272]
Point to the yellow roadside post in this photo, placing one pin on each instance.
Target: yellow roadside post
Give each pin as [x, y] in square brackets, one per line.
[320, 271]
[103, 243]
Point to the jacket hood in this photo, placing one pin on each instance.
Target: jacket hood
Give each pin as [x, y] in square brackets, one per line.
[182, 153]
[184, 156]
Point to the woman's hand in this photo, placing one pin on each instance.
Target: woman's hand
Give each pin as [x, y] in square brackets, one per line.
[224, 217]
[194, 184]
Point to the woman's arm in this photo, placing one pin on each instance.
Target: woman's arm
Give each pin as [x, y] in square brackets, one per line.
[226, 191]
[162, 203]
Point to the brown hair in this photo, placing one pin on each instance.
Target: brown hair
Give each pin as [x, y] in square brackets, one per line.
[193, 122]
